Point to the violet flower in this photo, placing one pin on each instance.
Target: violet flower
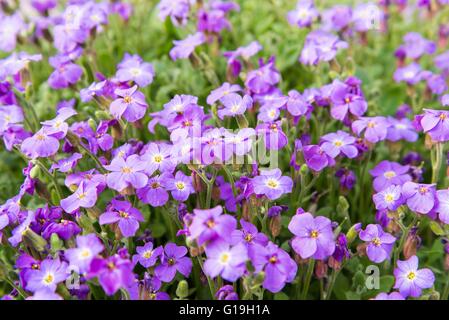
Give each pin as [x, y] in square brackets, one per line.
[173, 260]
[410, 280]
[130, 105]
[379, 242]
[272, 184]
[123, 213]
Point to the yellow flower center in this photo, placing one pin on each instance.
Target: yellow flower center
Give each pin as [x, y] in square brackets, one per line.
[314, 234]
[82, 195]
[48, 278]
[180, 185]
[126, 170]
[85, 253]
[273, 259]
[338, 143]
[248, 237]
[157, 158]
[390, 174]
[40, 137]
[371, 124]
[123, 214]
[376, 241]
[389, 197]
[224, 258]
[155, 185]
[127, 99]
[210, 223]
[423, 190]
[411, 275]
[147, 254]
[443, 116]
[272, 183]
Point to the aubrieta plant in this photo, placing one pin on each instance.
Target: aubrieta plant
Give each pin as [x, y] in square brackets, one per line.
[212, 149]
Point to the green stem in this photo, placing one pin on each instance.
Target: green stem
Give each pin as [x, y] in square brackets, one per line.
[331, 284]
[309, 273]
[436, 164]
[445, 294]
[209, 281]
[52, 178]
[405, 232]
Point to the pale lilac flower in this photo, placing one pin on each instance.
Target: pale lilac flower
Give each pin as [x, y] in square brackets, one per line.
[272, 184]
[313, 236]
[87, 248]
[389, 198]
[235, 105]
[443, 205]
[180, 186]
[224, 260]
[133, 68]
[379, 242]
[184, 48]
[387, 173]
[304, 14]
[420, 198]
[374, 128]
[126, 173]
[338, 143]
[84, 197]
[410, 280]
[222, 91]
[147, 255]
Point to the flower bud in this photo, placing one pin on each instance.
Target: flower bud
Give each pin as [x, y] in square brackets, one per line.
[34, 172]
[275, 226]
[34, 240]
[320, 269]
[182, 291]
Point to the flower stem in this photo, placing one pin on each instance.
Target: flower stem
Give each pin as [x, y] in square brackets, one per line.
[309, 273]
[436, 164]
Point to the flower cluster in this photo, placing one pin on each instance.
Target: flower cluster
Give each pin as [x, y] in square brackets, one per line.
[177, 151]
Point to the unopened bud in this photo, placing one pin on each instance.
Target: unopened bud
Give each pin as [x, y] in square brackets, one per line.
[182, 291]
[320, 269]
[34, 172]
[34, 240]
[275, 225]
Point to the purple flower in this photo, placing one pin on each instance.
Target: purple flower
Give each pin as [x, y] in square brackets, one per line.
[234, 105]
[409, 280]
[157, 157]
[415, 46]
[340, 142]
[316, 158]
[177, 10]
[66, 73]
[210, 224]
[263, 79]
[9, 115]
[347, 178]
[10, 27]
[126, 173]
[249, 235]
[278, 266]
[113, 273]
[47, 277]
[87, 248]
[389, 296]
[436, 124]
[155, 193]
[345, 101]
[375, 128]
[226, 293]
[125, 214]
[221, 92]
[367, 16]
[274, 137]
[272, 184]
[184, 48]
[297, 105]
[41, 144]
[180, 186]
[401, 129]
[17, 233]
[336, 18]
[410, 74]
[420, 198]
[147, 255]
[379, 242]
[388, 173]
[84, 197]
[304, 14]
[389, 198]
[173, 260]
[313, 236]
[133, 68]
[224, 260]
[131, 104]
[67, 164]
[44, 295]
[320, 46]
[443, 205]
[43, 5]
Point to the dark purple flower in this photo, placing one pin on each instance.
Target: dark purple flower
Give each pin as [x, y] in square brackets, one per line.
[173, 260]
[123, 213]
[316, 158]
